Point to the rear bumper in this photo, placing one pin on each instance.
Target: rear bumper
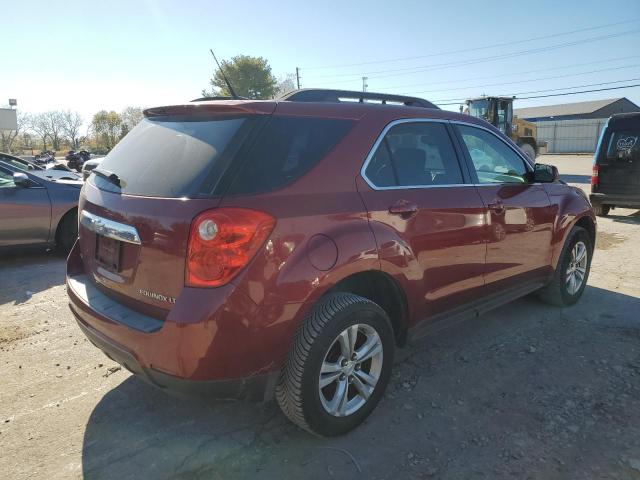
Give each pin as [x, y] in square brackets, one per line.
[631, 201]
[259, 387]
[213, 342]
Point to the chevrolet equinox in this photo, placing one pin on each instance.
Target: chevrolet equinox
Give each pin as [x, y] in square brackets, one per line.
[251, 249]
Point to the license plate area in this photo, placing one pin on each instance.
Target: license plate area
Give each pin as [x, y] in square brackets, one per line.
[108, 252]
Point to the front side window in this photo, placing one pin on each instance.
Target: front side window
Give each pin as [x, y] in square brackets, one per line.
[415, 154]
[492, 159]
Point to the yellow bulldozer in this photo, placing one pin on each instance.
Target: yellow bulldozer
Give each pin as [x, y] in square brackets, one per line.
[498, 111]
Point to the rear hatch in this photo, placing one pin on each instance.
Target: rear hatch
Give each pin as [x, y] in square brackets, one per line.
[619, 162]
[137, 206]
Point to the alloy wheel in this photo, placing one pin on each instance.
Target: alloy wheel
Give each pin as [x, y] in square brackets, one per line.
[350, 370]
[577, 269]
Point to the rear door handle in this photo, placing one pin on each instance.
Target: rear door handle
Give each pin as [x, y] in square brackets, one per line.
[404, 208]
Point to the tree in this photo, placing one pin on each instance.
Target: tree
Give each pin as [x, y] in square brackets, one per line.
[71, 123]
[285, 85]
[7, 137]
[40, 126]
[48, 125]
[249, 76]
[131, 116]
[107, 126]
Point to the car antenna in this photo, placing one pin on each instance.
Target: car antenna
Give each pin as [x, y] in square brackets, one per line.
[231, 90]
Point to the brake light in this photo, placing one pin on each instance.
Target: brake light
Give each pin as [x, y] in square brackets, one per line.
[594, 176]
[222, 242]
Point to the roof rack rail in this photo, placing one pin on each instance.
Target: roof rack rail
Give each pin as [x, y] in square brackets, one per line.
[337, 96]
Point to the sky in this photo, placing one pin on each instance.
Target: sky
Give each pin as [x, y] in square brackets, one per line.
[88, 55]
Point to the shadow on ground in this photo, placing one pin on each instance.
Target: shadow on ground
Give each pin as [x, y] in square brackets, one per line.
[634, 218]
[45, 270]
[586, 179]
[470, 399]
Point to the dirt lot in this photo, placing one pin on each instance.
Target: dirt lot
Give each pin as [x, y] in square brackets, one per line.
[527, 391]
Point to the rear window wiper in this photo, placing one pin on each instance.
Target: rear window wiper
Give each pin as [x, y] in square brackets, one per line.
[107, 175]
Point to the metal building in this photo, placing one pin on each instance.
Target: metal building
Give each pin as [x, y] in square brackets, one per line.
[574, 127]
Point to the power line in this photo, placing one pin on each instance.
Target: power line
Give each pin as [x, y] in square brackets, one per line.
[584, 91]
[439, 66]
[545, 90]
[437, 102]
[532, 39]
[547, 69]
[522, 81]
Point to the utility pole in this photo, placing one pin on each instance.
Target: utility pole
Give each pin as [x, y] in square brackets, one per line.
[364, 83]
[298, 77]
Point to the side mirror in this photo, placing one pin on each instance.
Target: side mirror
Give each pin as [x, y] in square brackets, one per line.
[545, 173]
[21, 180]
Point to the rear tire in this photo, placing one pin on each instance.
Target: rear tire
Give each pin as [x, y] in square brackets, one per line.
[317, 369]
[528, 150]
[67, 232]
[602, 210]
[562, 291]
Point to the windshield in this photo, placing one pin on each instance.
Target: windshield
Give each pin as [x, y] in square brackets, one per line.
[21, 164]
[479, 108]
[167, 158]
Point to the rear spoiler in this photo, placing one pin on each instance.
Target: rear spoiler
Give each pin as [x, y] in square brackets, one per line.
[217, 107]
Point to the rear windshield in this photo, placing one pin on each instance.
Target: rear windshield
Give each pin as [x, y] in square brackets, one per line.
[285, 149]
[166, 158]
[624, 145]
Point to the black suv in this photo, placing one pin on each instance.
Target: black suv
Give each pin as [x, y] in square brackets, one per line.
[616, 165]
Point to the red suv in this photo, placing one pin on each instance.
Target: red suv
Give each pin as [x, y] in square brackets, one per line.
[250, 248]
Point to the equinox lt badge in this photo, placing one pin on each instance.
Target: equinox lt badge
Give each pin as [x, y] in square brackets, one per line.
[156, 296]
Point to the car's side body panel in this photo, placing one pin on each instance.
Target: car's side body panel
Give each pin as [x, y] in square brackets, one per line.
[31, 215]
[571, 205]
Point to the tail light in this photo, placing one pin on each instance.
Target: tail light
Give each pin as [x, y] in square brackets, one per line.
[594, 176]
[222, 242]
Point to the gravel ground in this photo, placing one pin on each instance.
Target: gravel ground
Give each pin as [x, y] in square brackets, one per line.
[526, 391]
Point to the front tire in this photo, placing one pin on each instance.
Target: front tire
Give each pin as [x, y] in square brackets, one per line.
[338, 366]
[572, 272]
[601, 210]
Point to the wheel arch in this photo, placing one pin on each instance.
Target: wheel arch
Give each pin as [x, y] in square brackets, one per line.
[585, 221]
[590, 226]
[61, 219]
[382, 289]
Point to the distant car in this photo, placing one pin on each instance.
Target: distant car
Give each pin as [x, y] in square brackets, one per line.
[36, 210]
[616, 165]
[51, 171]
[77, 159]
[45, 157]
[90, 165]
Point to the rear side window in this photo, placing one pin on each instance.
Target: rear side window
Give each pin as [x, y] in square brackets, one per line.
[165, 158]
[415, 154]
[624, 145]
[285, 149]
